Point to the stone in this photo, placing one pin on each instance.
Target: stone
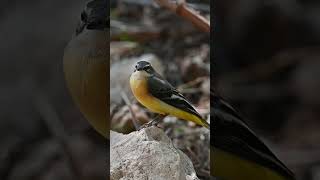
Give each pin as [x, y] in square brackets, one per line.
[147, 154]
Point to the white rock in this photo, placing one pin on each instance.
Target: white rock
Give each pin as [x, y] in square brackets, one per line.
[147, 154]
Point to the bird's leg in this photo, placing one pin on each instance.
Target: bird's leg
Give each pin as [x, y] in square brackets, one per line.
[157, 119]
[153, 122]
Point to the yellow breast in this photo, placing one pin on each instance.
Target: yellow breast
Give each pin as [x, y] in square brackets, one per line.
[85, 61]
[138, 84]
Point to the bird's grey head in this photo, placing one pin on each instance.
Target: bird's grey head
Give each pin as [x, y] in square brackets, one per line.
[144, 66]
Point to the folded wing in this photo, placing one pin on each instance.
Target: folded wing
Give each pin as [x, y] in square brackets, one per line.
[164, 91]
[233, 135]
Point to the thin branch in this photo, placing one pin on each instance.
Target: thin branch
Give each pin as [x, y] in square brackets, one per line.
[126, 100]
[197, 6]
[57, 129]
[192, 83]
[189, 14]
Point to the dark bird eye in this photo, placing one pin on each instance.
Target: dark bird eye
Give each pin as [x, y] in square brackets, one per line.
[148, 70]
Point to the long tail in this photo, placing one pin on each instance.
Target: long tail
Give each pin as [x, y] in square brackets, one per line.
[201, 122]
[205, 124]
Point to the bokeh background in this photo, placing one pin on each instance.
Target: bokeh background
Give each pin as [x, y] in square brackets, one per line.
[140, 30]
[267, 64]
[42, 133]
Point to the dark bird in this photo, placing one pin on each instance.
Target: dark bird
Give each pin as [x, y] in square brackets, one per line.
[237, 152]
[85, 62]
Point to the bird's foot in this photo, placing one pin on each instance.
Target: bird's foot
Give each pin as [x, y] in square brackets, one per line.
[154, 122]
[148, 124]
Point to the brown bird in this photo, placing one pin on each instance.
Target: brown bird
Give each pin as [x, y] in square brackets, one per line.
[237, 152]
[85, 61]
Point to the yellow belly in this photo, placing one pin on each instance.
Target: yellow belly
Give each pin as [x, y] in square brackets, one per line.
[139, 89]
[230, 167]
[85, 61]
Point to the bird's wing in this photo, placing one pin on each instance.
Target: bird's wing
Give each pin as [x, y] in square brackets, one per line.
[164, 91]
[231, 134]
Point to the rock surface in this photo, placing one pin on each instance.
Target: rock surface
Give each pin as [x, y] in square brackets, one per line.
[147, 154]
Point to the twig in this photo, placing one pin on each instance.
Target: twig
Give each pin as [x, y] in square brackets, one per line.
[56, 128]
[126, 100]
[197, 6]
[190, 90]
[189, 14]
[192, 83]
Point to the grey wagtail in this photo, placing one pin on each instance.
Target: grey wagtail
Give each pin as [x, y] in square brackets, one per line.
[85, 61]
[237, 153]
[159, 96]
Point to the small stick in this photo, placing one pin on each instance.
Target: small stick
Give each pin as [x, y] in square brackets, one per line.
[192, 83]
[126, 100]
[57, 130]
[189, 14]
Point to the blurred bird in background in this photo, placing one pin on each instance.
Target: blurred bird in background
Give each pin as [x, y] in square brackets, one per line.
[237, 153]
[86, 60]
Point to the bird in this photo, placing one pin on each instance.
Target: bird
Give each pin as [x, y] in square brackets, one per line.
[237, 152]
[86, 60]
[159, 96]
